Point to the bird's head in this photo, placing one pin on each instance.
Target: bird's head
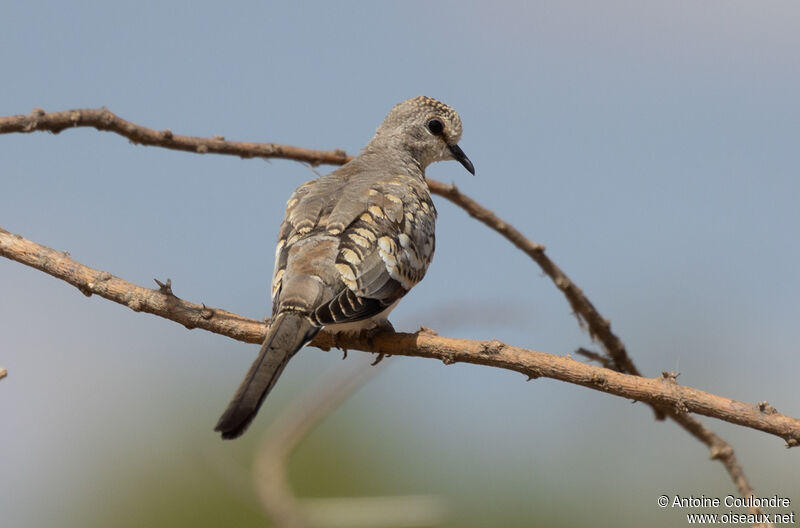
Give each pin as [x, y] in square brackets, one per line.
[428, 129]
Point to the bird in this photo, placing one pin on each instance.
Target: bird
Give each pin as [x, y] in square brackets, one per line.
[352, 243]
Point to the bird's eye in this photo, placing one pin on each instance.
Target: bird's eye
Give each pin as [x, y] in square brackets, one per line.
[436, 127]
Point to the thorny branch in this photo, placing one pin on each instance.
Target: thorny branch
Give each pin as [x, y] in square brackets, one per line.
[599, 328]
[104, 119]
[662, 391]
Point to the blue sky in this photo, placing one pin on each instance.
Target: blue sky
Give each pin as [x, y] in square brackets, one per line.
[652, 146]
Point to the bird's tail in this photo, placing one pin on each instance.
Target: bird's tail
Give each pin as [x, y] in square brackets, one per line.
[288, 332]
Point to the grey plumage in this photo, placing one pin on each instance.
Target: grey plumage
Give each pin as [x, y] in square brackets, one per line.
[352, 243]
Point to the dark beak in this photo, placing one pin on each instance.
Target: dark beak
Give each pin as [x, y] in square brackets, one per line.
[462, 158]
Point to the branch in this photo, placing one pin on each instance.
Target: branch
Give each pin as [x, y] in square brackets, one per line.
[159, 302]
[105, 120]
[663, 391]
[599, 328]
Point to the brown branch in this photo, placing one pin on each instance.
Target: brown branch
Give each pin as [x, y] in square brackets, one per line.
[599, 328]
[105, 120]
[723, 451]
[158, 302]
[662, 392]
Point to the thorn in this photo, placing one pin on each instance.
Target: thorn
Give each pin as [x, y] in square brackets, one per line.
[424, 330]
[766, 408]
[720, 453]
[600, 381]
[106, 115]
[672, 377]
[492, 347]
[166, 288]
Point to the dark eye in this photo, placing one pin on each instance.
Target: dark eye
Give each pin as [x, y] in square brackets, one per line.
[436, 127]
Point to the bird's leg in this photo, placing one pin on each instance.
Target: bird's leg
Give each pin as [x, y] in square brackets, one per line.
[370, 333]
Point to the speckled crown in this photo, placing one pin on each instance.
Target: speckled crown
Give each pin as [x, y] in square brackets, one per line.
[405, 112]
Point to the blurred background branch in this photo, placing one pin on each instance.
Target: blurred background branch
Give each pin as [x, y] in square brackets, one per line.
[295, 422]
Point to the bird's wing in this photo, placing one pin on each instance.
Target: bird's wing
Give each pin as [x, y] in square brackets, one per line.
[351, 246]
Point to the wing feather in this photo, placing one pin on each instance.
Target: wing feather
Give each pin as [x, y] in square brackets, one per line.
[384, 228]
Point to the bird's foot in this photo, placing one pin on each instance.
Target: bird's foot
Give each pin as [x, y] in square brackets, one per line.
[370, 333]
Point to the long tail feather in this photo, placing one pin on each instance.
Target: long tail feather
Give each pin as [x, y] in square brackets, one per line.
[287, 334]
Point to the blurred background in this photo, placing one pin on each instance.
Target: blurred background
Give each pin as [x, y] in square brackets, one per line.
[652, 146]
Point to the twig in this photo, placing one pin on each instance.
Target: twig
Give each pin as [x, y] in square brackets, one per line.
[662, 391]
[597, 358]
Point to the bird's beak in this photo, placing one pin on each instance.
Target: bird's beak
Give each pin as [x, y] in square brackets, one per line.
[462, 158]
